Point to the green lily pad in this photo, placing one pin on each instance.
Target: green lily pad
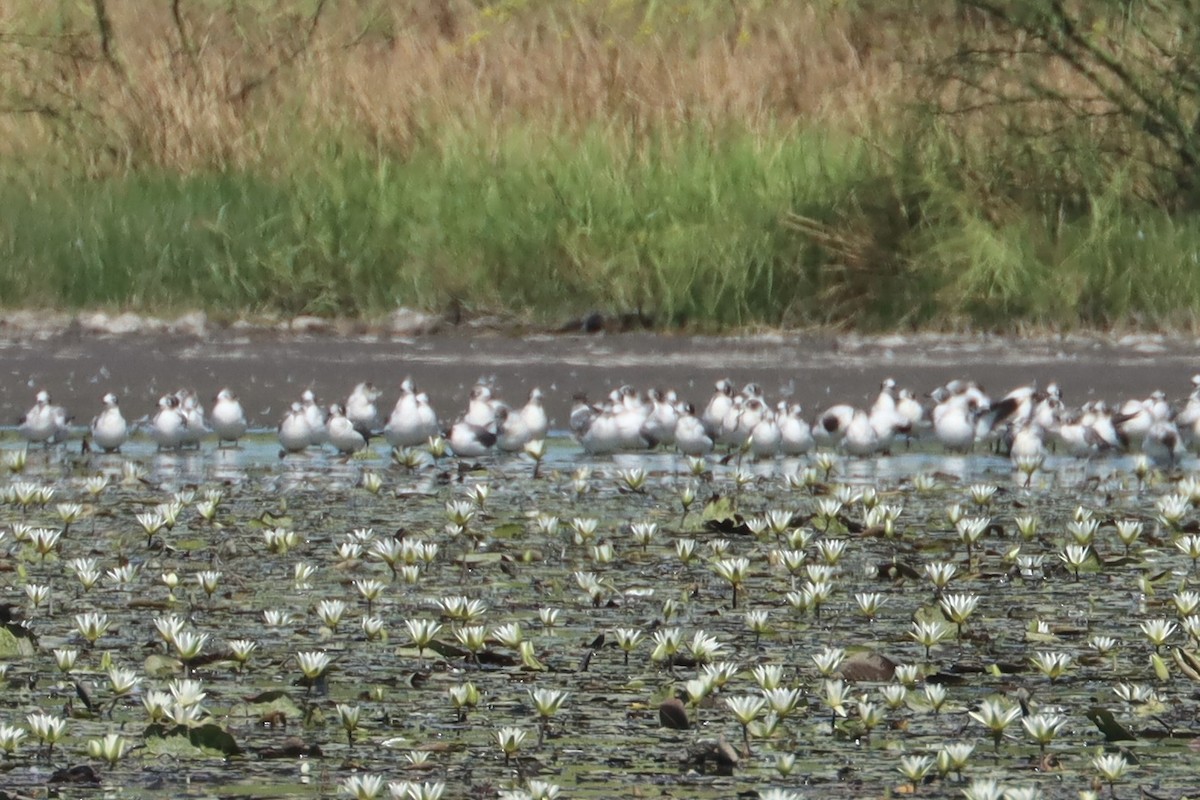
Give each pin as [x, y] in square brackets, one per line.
[201, 741]
[12, 646]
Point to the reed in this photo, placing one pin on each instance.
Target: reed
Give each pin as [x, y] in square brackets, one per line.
[710, 165]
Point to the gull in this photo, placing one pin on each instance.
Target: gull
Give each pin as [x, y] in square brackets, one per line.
[885, 419]
[346, 435]
[600, 434]
[1188, 418]
[1077, 435]
[193, 412]
[1049, 407]
[1098, 417]
[1163, 444]
[691, 436]
[910, 408]
[630, 413]
[582, 414]
[860, 437]
[832, 424]
[316, 418]
[1026, 440]
[169, 427]
[954, 419]
[511, 431]
[360, 407]
[413, 421]
[295, 430]
[765, 437]
[714, 413]
[481, 407]
[109, 429]
[228, 418]
[1014, 408]
[1135, 418]
[533, 414]
[45, 422]
[739, 427]
[795, 435]
[659, 427]
[468, 440]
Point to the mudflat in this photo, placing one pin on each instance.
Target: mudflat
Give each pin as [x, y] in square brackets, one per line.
[269, 369]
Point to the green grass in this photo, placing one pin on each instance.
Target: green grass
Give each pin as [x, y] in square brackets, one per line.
[548, 225]
[692, 229]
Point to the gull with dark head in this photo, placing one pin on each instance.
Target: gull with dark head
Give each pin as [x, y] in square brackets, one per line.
[169, 427]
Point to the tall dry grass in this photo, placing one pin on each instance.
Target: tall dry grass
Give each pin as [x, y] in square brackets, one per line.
[710, 163]
[229, 84]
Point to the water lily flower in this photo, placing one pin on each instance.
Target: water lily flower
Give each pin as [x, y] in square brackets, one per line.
[959, 607]
[1052, 665]
[935, 696]
[111, 748]
[47, 729]
[1112, 767]
[1128, 531]
[1043, 727]
[510, 740]
[1157, 631]
[208, 580]
[421, 632]
[362, 787]
[313, 663]
[996, 714]
[828, 660]
[928, 633]
[92, 625]
[10, 738]
[915, 768]
[627, 640]
[869, 603]
[733, 571]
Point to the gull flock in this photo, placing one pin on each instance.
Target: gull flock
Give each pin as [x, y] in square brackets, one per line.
[960, 416]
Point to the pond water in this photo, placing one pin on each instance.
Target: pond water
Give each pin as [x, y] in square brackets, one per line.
[257, 524]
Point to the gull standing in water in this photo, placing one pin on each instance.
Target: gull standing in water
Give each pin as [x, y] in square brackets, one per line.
[766, 437]
[714, 413]
[795, 434]
[44, 423]
[316, 417]
[345, 434]
[193, 412]
[228, 418]
[295, 431]
[169, 427]
[360, 407]
[412, 421]
[691, 435]
[469, 440]
[109, 429]
[518, 428]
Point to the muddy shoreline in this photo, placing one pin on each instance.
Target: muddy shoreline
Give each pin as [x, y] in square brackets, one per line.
[269, 368]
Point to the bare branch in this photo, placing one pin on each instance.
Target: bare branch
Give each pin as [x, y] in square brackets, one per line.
[104, 26]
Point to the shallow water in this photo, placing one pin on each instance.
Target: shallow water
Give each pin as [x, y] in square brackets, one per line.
[607, 734]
